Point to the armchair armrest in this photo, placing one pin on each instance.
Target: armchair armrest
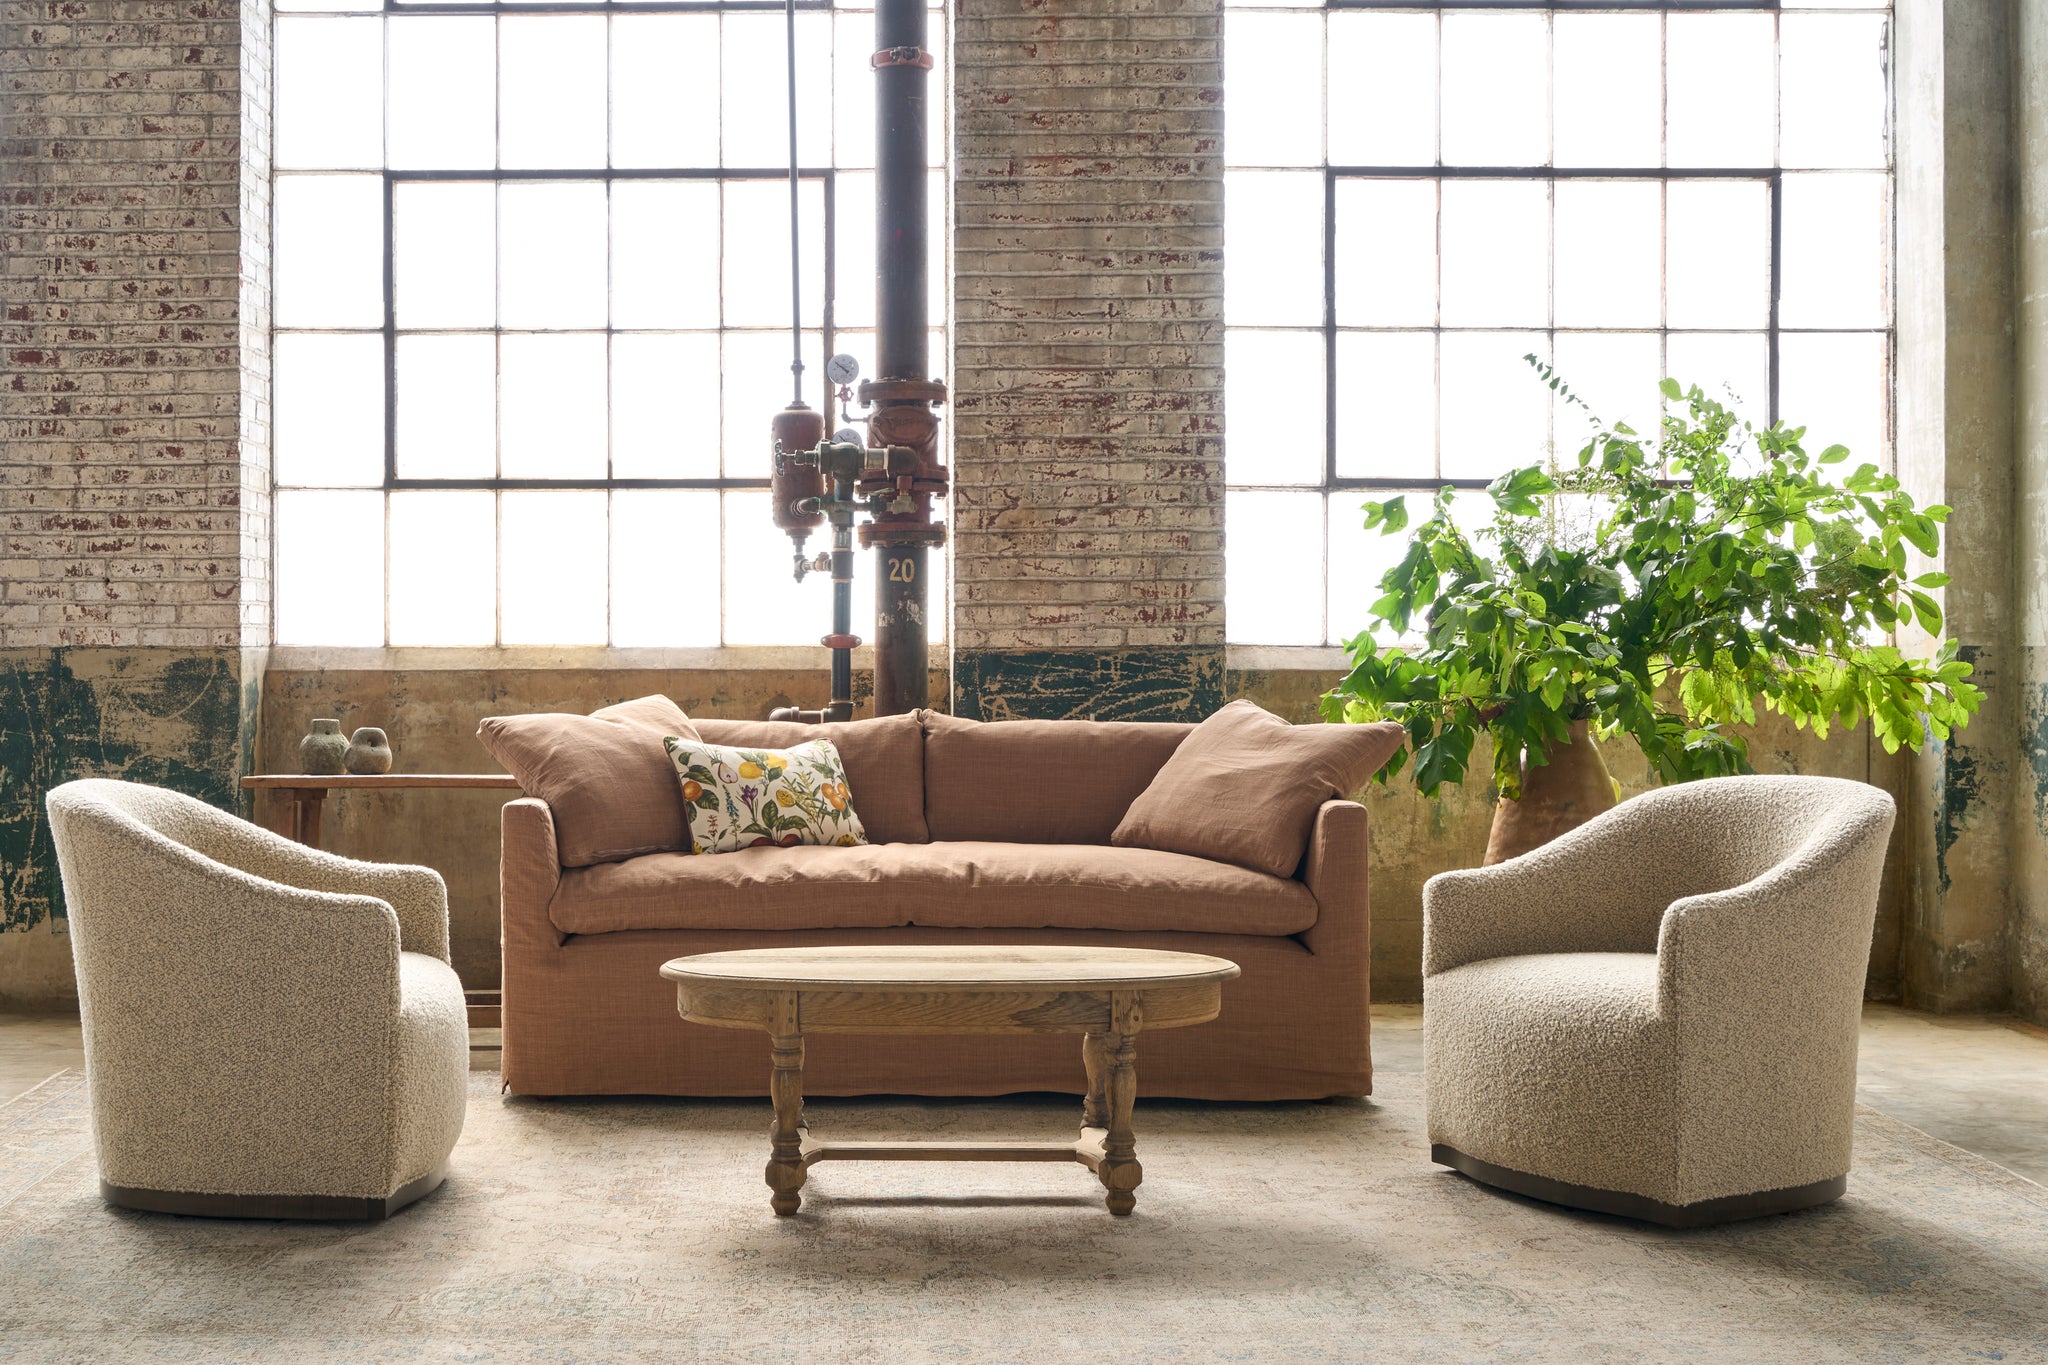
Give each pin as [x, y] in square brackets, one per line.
[1765, 951]
[1334, 870]
[417, 895]
[1603, 887]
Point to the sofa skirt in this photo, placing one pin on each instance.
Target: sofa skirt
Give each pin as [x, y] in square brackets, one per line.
[589, 1015]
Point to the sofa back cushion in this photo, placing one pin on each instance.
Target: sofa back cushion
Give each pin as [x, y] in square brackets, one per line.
[884, 758]
[1038, 781]
[605, 776]
[1246, 786]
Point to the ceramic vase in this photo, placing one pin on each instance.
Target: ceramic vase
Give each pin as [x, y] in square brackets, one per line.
[1559, 795]
[369, 752]
[324, 750]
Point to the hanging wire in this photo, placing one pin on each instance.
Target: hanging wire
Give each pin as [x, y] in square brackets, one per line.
[796, 298]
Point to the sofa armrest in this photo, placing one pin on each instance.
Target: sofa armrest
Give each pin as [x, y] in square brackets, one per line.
[1333, 869]
[529, 870]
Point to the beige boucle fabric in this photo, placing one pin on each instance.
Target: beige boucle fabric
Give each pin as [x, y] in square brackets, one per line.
[1664, 1001]
[260, 1018]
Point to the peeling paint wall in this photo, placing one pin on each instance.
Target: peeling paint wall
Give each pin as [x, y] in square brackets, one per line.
[171, 718]
[2027, 948]
[1955, 446]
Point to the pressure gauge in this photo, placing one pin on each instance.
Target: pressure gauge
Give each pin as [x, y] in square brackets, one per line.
[842, 369]
[848, 436]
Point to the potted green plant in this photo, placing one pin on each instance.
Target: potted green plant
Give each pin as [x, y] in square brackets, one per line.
[1713, 571]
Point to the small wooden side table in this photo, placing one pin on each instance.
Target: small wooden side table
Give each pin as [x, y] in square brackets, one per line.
[306, 791]
[1105, 994]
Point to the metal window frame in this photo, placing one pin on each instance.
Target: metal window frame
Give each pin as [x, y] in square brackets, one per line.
[395, 482]
[1436, 171]
[388, 331]
[445, 7]
[1772, 178]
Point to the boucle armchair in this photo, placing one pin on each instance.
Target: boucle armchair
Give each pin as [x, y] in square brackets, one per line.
[1655, 1015]
[270, 1031]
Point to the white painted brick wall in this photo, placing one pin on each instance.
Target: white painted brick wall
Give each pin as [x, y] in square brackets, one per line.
[133, 384]
[1088, 474]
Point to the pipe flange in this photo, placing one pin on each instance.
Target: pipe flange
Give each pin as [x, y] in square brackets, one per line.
[901, 56]
[901, 533]
[903, 390]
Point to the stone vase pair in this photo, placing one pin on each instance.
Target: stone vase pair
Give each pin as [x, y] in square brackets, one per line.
[325, 753]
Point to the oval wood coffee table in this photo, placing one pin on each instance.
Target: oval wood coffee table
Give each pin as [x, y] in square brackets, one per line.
[1104, 994]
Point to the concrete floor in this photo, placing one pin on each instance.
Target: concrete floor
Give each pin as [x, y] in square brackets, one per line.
[1980, 1083]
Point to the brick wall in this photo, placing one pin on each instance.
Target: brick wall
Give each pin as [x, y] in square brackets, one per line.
[1088, 474]
[134, 416]
[128, 499]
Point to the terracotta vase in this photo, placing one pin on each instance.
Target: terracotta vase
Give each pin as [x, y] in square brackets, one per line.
[322, 751]
[1572, 788]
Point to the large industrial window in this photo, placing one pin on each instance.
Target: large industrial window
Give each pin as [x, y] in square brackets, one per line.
[532, 314]
[1421, 195]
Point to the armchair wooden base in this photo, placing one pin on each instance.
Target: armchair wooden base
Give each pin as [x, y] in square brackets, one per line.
[1706, 1213]
[311, 1207]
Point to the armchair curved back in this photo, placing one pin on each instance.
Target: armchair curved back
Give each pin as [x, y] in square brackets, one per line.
[1724, 832]
[1607, 885]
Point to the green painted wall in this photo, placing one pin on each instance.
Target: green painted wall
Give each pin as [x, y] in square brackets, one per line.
[183, 719]
[1117, 684]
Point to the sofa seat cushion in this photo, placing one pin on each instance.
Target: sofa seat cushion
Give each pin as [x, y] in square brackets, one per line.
[945, 885]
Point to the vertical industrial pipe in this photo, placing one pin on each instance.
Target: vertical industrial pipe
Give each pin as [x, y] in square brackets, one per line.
[902, 72]
[903, 391]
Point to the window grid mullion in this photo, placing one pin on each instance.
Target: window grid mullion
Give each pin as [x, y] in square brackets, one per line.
[1662, 175]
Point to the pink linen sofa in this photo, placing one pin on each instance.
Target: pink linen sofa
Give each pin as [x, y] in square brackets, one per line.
[982, 833]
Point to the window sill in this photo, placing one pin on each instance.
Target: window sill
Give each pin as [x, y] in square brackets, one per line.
[1287, 658]
[416, 658]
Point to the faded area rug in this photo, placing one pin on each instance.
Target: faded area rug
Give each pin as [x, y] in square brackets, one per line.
[577, 1231]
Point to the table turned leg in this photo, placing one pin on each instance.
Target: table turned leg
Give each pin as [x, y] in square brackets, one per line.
[1120, 1171]
[786, 1087]
[1095, 1049]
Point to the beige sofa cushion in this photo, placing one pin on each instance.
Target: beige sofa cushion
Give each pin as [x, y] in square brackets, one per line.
[884, 758]
[605, 776]
[1245, 786]
[944, 885]
[1037, 781]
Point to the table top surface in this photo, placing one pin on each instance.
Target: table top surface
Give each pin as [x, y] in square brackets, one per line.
[344, 781]
[938, 968]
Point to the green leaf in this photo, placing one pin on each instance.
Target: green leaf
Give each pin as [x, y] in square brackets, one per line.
[1443, 759]
[1834, 454]
[1670, 389]
[1920, 530]
[1926, 611]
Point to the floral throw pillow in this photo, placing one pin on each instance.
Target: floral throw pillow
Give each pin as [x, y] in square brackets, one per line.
[752, 798]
